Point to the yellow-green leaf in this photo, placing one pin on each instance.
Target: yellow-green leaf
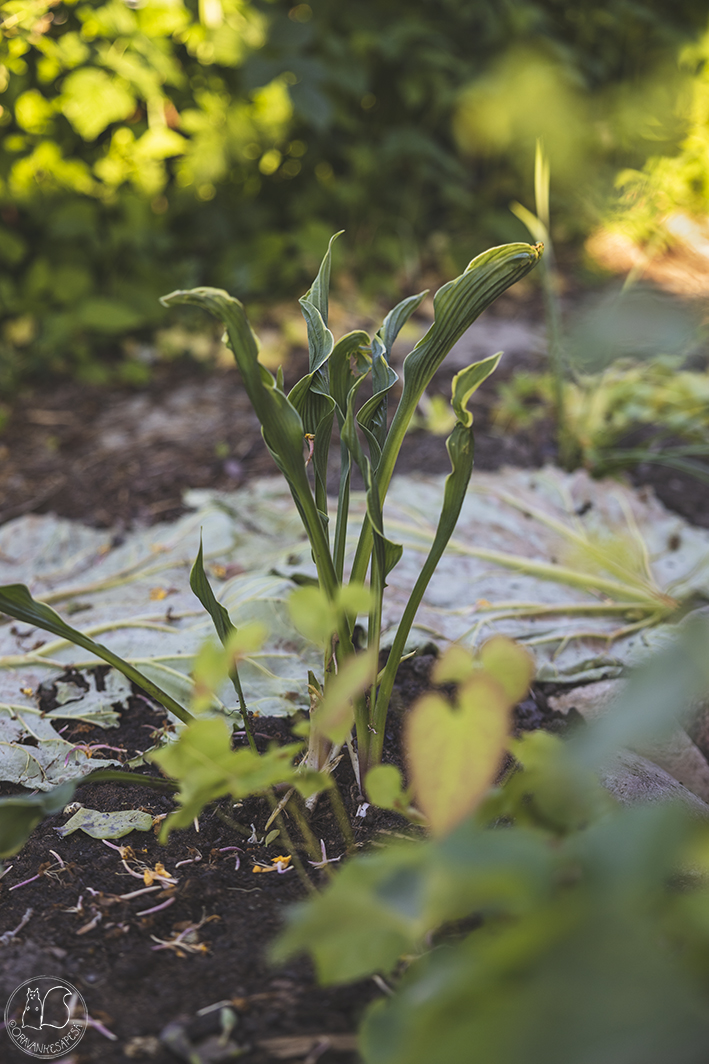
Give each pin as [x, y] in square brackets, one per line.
[510, 664]
[454, 752]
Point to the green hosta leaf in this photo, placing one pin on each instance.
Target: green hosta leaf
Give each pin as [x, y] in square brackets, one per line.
[397, 318]
[343, 375]
[468, 381]
[318, 293]
[21, 813]
[373, 414]
[387, 552]
[281, 424]
[456, 306]
[106, 825]
[320, 339]
[334, 715]
[454, 752]
[16, 601]
[206, 768]
[203, 590]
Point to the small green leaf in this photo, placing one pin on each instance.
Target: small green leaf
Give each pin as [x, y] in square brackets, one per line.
[313, 614]
[454, 666]
[385, 787]
[202, 589]
[334, 715]
[354, 598]
[454, 752]
[21, 813]
[510, 664]
[204, 764]
[106, 825]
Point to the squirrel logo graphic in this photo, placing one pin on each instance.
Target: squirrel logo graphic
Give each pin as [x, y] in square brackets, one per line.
[50, 1011]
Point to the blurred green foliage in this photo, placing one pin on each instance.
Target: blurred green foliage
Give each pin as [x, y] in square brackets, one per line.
[168, 143]
[554, 926]
[660, 201]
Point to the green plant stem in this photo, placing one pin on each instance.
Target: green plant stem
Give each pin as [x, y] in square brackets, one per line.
[343, 821]
[233, 824]
[234, 677]
[304, 827]
[553, 321]
[297, 863]
[343, 509]
[110, 775]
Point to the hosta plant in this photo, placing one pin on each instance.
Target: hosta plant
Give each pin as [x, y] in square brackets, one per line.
[297, 427]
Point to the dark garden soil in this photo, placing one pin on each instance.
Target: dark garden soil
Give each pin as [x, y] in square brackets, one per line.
[119, 458]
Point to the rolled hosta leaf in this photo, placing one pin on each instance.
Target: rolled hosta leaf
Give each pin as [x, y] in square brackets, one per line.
[456, 306]
[16, 601]
[465, 383]
[318, 293]
[21, 813]
[453, 753]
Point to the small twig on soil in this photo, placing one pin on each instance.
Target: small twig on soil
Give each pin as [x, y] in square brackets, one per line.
[8, 936]
[157, 908]
[98, 1026]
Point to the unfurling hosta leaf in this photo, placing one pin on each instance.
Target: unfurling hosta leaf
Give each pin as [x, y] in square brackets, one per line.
[334, 715]
[454, 752]
[21, 813]
[468, 381]
[281, 424]
[16, 601]
[397, 318]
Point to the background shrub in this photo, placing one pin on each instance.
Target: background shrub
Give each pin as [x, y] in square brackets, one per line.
[154, 144]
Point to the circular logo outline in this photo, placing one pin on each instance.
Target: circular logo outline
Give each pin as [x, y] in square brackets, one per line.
[30, 1039]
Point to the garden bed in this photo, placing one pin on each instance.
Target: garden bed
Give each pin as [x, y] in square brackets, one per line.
[138, 988]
